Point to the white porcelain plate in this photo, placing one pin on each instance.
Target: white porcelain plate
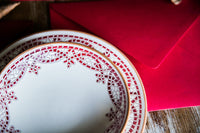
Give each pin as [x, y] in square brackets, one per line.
[137, 116]
[62, 87]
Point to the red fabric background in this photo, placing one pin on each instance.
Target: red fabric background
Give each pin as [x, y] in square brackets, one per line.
[176, 83]
[146, 32]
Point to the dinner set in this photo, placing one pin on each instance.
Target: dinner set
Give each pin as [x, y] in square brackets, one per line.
[69, 81]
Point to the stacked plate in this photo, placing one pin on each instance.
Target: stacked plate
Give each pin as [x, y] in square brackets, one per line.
[69, 81]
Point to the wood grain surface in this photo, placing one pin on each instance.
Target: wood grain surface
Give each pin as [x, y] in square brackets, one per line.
[37, 12]
[184, 120]
[5, 9]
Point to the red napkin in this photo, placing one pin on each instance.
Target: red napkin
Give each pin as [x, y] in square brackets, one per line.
[176, 83]
[153, 34]
[12, 30]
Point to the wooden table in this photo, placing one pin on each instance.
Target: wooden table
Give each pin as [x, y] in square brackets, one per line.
[185, 120]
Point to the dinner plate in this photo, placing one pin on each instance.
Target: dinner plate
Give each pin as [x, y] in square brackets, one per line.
[137, 116]
[63, 87]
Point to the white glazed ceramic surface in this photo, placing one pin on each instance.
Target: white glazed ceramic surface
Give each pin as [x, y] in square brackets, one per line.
[62, 87]
[137, 116]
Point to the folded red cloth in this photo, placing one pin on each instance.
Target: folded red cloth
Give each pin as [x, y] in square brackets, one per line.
[12, 30]
[176, 83]
[146, 31]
